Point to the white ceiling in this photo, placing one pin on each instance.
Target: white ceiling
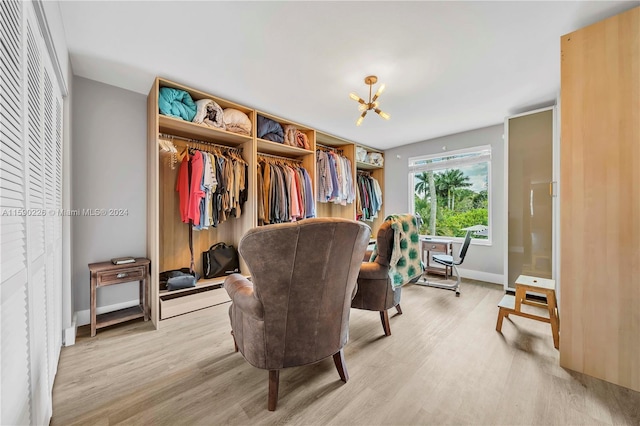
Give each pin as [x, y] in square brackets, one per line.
[448, 66]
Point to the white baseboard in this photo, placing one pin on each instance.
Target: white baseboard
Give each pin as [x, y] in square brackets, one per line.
[84, 317]
[69, 334]
[482, 276]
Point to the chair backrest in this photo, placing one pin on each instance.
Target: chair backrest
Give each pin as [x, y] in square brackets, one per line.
[305, 274]
[465, 247]
[384, 243]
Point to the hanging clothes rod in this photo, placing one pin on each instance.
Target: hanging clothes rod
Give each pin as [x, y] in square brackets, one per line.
[364, 173]
[329, 148]
[277, 157]
[196, 141]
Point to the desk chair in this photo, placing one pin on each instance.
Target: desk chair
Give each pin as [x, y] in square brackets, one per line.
[447, 260]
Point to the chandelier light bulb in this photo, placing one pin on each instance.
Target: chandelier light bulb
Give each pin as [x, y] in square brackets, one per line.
[372, 103]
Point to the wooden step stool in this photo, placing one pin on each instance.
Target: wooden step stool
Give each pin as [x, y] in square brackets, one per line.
[512, 304]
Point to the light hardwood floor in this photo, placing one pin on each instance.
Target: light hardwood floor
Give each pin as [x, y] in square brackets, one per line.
[443, 364]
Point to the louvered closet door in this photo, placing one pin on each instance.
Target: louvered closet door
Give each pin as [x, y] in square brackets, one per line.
[35, 222]
[30, 228]
[15, 383]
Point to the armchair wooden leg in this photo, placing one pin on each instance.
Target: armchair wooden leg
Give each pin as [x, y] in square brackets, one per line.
[399, 309]
[384, 317]
[341, 365]
[274, 381]
[235, 345]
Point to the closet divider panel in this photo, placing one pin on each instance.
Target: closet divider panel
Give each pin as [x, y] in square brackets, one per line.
[153, 205]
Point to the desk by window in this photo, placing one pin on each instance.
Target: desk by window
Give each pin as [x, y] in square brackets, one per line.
[431, 246]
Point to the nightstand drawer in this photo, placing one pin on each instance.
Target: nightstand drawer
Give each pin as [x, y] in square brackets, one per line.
[436, 247]
[121, 276]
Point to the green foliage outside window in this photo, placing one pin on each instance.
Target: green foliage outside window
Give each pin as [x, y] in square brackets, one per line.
[459, 198]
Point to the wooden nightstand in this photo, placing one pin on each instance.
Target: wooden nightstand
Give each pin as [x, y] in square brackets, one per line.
[440, 246]
[106, 273]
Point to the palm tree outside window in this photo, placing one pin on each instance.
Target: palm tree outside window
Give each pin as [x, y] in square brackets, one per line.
[451, 191]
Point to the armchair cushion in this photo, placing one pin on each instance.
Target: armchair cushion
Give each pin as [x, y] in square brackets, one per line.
[373, 271]
[241, 292]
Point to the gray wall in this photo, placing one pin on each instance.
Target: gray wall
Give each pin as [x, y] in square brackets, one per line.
[480, 259]
[109, 171]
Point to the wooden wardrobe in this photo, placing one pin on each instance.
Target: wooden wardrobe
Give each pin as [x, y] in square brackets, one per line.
[600, 200]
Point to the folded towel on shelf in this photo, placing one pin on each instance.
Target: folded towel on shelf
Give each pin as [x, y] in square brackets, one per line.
[176, 103]
[302, 140]
[294, 137]
[270, 130]
[209, 113]
[237, 121]
[289, 135]
[375, 158]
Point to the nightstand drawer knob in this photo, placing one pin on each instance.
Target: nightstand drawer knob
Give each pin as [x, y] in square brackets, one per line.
[122, 275]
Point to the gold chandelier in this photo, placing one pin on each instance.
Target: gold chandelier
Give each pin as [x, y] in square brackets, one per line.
[365, 107]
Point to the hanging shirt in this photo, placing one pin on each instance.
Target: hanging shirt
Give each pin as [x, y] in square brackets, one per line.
[195, 193]
[182, 186]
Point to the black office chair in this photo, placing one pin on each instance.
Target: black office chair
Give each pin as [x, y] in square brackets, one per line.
[447, 260]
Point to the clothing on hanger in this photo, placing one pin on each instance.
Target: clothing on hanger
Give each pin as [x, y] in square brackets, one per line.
[335, 181]
[286, 194]
[369, 197]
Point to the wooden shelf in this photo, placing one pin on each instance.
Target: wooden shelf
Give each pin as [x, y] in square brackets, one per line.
[367, 166]
[198, 94]
[202, 283]
[187, 129]
[275, 148]
[213, 282]
[115, 317]
[330, 140]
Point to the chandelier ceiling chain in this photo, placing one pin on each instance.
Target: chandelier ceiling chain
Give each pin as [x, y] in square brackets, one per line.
[365, 107]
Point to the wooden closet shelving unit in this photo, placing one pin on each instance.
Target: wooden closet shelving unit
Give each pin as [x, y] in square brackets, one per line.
[167, 236]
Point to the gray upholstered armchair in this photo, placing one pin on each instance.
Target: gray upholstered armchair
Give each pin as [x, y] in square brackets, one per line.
[295, 309]
[375, 292]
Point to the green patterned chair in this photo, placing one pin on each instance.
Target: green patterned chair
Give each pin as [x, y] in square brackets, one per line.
[394, 262]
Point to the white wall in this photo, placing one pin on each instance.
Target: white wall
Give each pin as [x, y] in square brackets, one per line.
[482, 262]
[109, 171]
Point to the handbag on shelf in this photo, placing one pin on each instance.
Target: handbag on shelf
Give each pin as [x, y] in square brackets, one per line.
[220, 260]
[178, 279]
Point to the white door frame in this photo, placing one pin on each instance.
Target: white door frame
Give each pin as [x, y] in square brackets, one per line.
[554, 203]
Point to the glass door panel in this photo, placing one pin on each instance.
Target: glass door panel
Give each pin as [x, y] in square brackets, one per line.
[530, 201]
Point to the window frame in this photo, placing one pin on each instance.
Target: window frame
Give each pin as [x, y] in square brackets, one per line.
[412, 170]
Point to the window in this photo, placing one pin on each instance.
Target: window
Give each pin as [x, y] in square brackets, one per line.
[451, 191]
